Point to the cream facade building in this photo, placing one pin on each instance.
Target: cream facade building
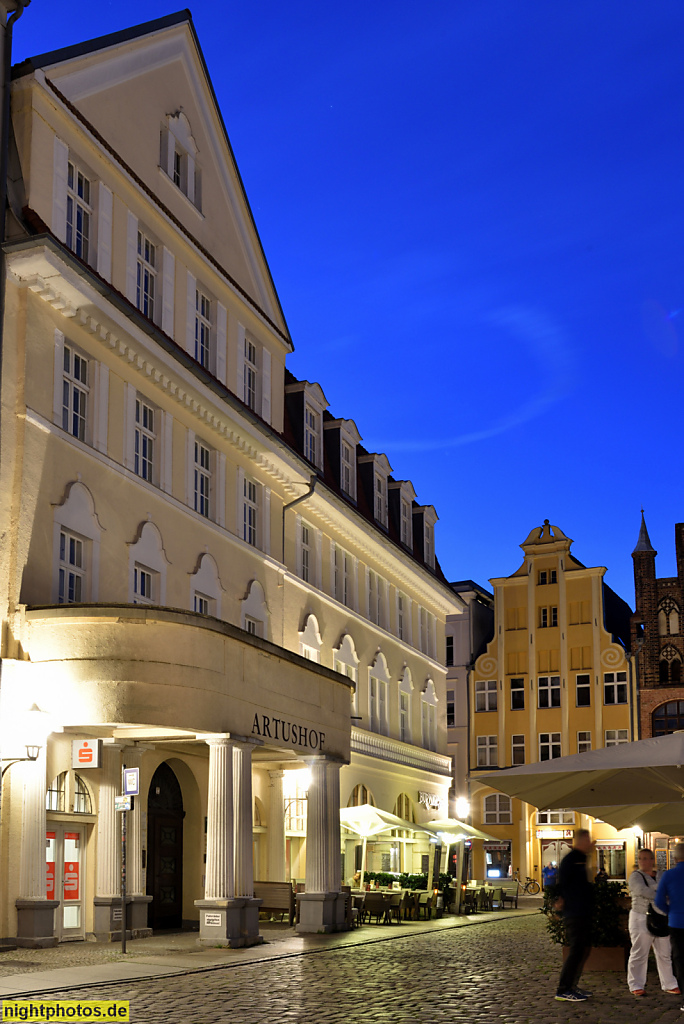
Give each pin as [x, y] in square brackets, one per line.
[554, 680]
[205, 575]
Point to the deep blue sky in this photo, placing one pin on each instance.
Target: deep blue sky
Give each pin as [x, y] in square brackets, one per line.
[473, 216]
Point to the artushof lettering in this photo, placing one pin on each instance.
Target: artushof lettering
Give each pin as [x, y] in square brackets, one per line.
[287, 732]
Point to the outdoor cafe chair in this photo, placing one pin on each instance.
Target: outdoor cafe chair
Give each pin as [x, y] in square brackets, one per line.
[396, 905]
[375, 906]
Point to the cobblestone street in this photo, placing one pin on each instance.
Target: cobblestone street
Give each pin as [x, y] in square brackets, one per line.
[503, 971]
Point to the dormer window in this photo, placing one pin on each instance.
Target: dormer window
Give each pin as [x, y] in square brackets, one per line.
[347, 474]
[380, 498]
[400, 500]
[425, 532]
[406, 524]
[312, 437]
[306, 404]
[178, 156]
[429, 545]
[341, 440]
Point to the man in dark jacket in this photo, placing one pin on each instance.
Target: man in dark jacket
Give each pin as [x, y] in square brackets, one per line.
[576, 903]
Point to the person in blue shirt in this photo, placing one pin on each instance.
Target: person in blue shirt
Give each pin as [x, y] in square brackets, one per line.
[669, 899]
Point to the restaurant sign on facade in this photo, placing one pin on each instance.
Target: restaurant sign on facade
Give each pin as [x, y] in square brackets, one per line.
[430, 801]
[272, 728]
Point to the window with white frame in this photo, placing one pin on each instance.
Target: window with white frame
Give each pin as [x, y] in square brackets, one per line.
[406, 524]
[347, 475]
[310, 640]
[76, 540]
[402, 621]
[202, 604]
[250, 374]
[250, 512]
[177, 156]
[376, 598]
[486, 695]
[306, 539]
[560, 816]
[79, 212]
[378, 706]
[549, 745]
[428, 716]
[583, 741]
[405, 697]
[311, 434]
[487, 751]
[145, 440]
[75, 389]
[144, 585]
[614, 687]
[450, 709]
[202, 329]
[380, 489]
[254, 611]
[72, 568]
[202, 479]
[146, 276]
[343, 576]
[616, 737]
[427, 639]
[429, 544]
[517, 694]
[345, 661]
[583, 690]
[549, 690]
[518, 749]
[497, 809]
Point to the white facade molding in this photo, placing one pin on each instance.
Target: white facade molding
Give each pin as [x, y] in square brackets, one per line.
[386, 749]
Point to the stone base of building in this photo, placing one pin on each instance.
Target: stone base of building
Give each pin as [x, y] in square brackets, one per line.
[321, 912]
[231, 923]
[107, 918]
[36, 923]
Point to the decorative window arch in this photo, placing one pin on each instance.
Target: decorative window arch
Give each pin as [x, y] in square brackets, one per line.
[667, 718]
[361, 795]
[69, 792]
[75, 547]
[668, 617]
[254, 613]
[404, 808]
[147, 563]
[405, 705]
[206, 589]
[670, 668]
[378, 695]
[346, 661]
[310, 642]
[428, 715]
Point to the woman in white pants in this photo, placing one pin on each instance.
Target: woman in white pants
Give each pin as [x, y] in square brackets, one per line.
[642, 888]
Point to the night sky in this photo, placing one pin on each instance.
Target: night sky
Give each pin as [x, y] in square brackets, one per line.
[473, 216]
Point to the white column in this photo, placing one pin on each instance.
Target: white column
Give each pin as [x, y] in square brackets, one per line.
[32, 875]
[242, 811]
[276, 828]
[334, 853]
[220, 878]
[317, 832]
[108, 882]
[132, 756]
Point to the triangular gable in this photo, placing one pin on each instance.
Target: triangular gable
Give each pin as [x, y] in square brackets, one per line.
[125, 85]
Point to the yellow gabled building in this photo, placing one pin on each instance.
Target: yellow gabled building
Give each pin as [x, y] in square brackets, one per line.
[554, 680]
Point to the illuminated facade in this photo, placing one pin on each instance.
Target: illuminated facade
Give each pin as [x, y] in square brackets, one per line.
[554, 680]
[207, 576]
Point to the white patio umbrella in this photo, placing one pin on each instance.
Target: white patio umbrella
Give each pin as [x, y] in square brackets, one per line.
[370, 821]
[667, 817]
[457, 830]
[649, 772]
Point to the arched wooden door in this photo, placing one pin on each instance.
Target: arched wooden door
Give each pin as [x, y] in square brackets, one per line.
[165, 850]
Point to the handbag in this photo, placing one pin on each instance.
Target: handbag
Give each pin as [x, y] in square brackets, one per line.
[655, 921]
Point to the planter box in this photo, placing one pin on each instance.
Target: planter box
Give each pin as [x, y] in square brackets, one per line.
[604, 958]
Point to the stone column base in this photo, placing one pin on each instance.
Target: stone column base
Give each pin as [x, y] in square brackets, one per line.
[36, 923]
[107, 918]
[321, 912]
[230, 923]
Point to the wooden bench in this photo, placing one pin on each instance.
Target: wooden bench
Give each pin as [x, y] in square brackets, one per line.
[277, 897]
[509, 894]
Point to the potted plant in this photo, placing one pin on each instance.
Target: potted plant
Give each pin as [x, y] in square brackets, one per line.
[609, 934]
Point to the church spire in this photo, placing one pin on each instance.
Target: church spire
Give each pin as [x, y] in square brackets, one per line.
[643, 545]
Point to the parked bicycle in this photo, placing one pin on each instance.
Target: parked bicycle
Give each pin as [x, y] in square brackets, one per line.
[530, 887]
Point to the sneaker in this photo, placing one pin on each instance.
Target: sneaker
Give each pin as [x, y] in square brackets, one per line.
[570, 997]
[583, 992]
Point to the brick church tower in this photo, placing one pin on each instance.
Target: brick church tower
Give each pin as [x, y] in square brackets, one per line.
[656, 638]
